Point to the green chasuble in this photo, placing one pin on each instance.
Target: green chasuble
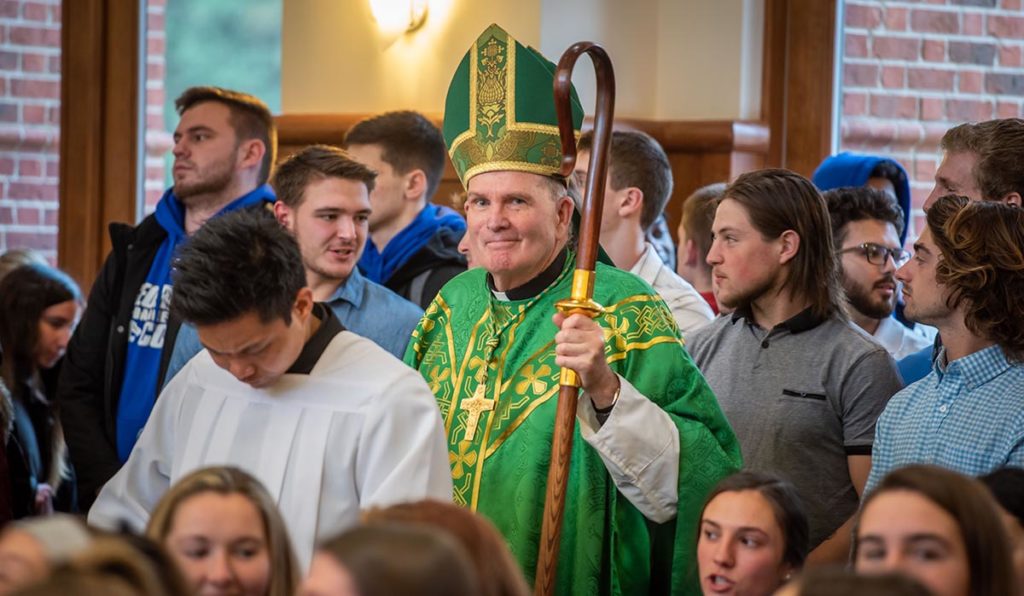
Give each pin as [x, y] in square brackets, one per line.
[608, 546]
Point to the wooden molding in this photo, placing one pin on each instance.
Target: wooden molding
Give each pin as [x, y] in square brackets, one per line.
[700, 151]
[99, 132]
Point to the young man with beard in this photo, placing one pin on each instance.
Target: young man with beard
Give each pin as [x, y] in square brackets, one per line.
[866, 228]
[801, 386]
[638, 186]
[966, 279]
[327, 421]
[413, 247]
[651, 440]
[224, 150]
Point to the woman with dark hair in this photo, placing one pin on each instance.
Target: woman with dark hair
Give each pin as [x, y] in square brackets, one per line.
[939, 527]
[391, 559]
[39, 309]
[754, 535]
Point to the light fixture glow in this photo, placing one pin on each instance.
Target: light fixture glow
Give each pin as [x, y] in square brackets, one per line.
[395, 17]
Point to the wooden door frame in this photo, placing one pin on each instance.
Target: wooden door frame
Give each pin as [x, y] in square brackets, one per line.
[99, 128]
[798, 80]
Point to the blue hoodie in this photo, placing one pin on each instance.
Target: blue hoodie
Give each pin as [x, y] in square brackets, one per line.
[853, 169]
[150, 318]
[378, 266]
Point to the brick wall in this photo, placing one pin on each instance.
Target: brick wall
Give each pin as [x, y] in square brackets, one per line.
[30, 119]
[913, 69]
[29, 123]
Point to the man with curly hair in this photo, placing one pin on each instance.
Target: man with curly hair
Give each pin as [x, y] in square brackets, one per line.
[966, 278]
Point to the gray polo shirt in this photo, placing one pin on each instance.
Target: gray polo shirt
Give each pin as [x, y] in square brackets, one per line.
[801, 397]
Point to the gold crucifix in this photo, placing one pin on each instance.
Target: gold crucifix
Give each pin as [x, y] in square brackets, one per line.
[475, 405]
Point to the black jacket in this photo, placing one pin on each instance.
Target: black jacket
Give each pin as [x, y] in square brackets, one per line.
[30, 453]
[93, 369]
[422, 276]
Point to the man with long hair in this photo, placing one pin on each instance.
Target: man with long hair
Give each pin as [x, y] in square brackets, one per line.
[801, 386]
[966, 279]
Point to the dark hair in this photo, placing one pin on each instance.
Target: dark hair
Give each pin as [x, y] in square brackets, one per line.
[408, 142]
[699, 215]
[971, 506]
[637, 160]
[385, 559]
[497, 570]
[24, 294]
[1007, 486]
[838, 581]
[315, 163]
[250, 117]
[891, 171]
[237, 263]
[778, 200]
[859, 203]
[998, 170]
[982, 264]
[786, 504]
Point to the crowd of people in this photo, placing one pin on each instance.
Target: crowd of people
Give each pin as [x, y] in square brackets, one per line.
[308, 378]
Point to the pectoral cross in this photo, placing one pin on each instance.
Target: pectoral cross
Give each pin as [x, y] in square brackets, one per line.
[475, 405]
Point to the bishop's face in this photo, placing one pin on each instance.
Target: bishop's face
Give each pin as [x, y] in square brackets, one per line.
[515, 225]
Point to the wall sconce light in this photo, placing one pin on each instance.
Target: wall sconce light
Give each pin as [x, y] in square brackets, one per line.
[397, 17]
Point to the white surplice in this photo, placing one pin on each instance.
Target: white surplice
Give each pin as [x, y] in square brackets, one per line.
[360, 430]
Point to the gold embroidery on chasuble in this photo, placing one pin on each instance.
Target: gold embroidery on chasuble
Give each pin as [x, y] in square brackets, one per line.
[516, 381]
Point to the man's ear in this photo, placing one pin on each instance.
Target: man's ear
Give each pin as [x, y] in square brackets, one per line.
[250, 153]
[1013, 199]
[691, 254]
[632, 202]
[303, 305]
[416, 185]
[564, 212]
[283, 213]
[790, 245]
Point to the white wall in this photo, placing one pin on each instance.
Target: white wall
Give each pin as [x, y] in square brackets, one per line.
[674, 59]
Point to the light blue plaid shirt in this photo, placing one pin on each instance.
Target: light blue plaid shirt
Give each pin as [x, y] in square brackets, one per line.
[967, 417]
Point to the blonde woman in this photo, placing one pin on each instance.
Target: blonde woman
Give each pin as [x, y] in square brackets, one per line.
[226, 534]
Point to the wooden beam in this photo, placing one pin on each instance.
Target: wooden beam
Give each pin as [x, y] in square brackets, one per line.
[100, 55]
[797, 84]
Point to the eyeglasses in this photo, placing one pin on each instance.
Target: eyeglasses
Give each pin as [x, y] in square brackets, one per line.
[876, 254]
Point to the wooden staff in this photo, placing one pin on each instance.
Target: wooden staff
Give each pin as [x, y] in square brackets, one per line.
[581, 297]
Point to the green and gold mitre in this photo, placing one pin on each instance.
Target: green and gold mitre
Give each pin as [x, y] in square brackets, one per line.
[500, 109]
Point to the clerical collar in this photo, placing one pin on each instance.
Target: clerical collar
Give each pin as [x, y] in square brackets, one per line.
[321, 338]
[804, 320]
[534, 286]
